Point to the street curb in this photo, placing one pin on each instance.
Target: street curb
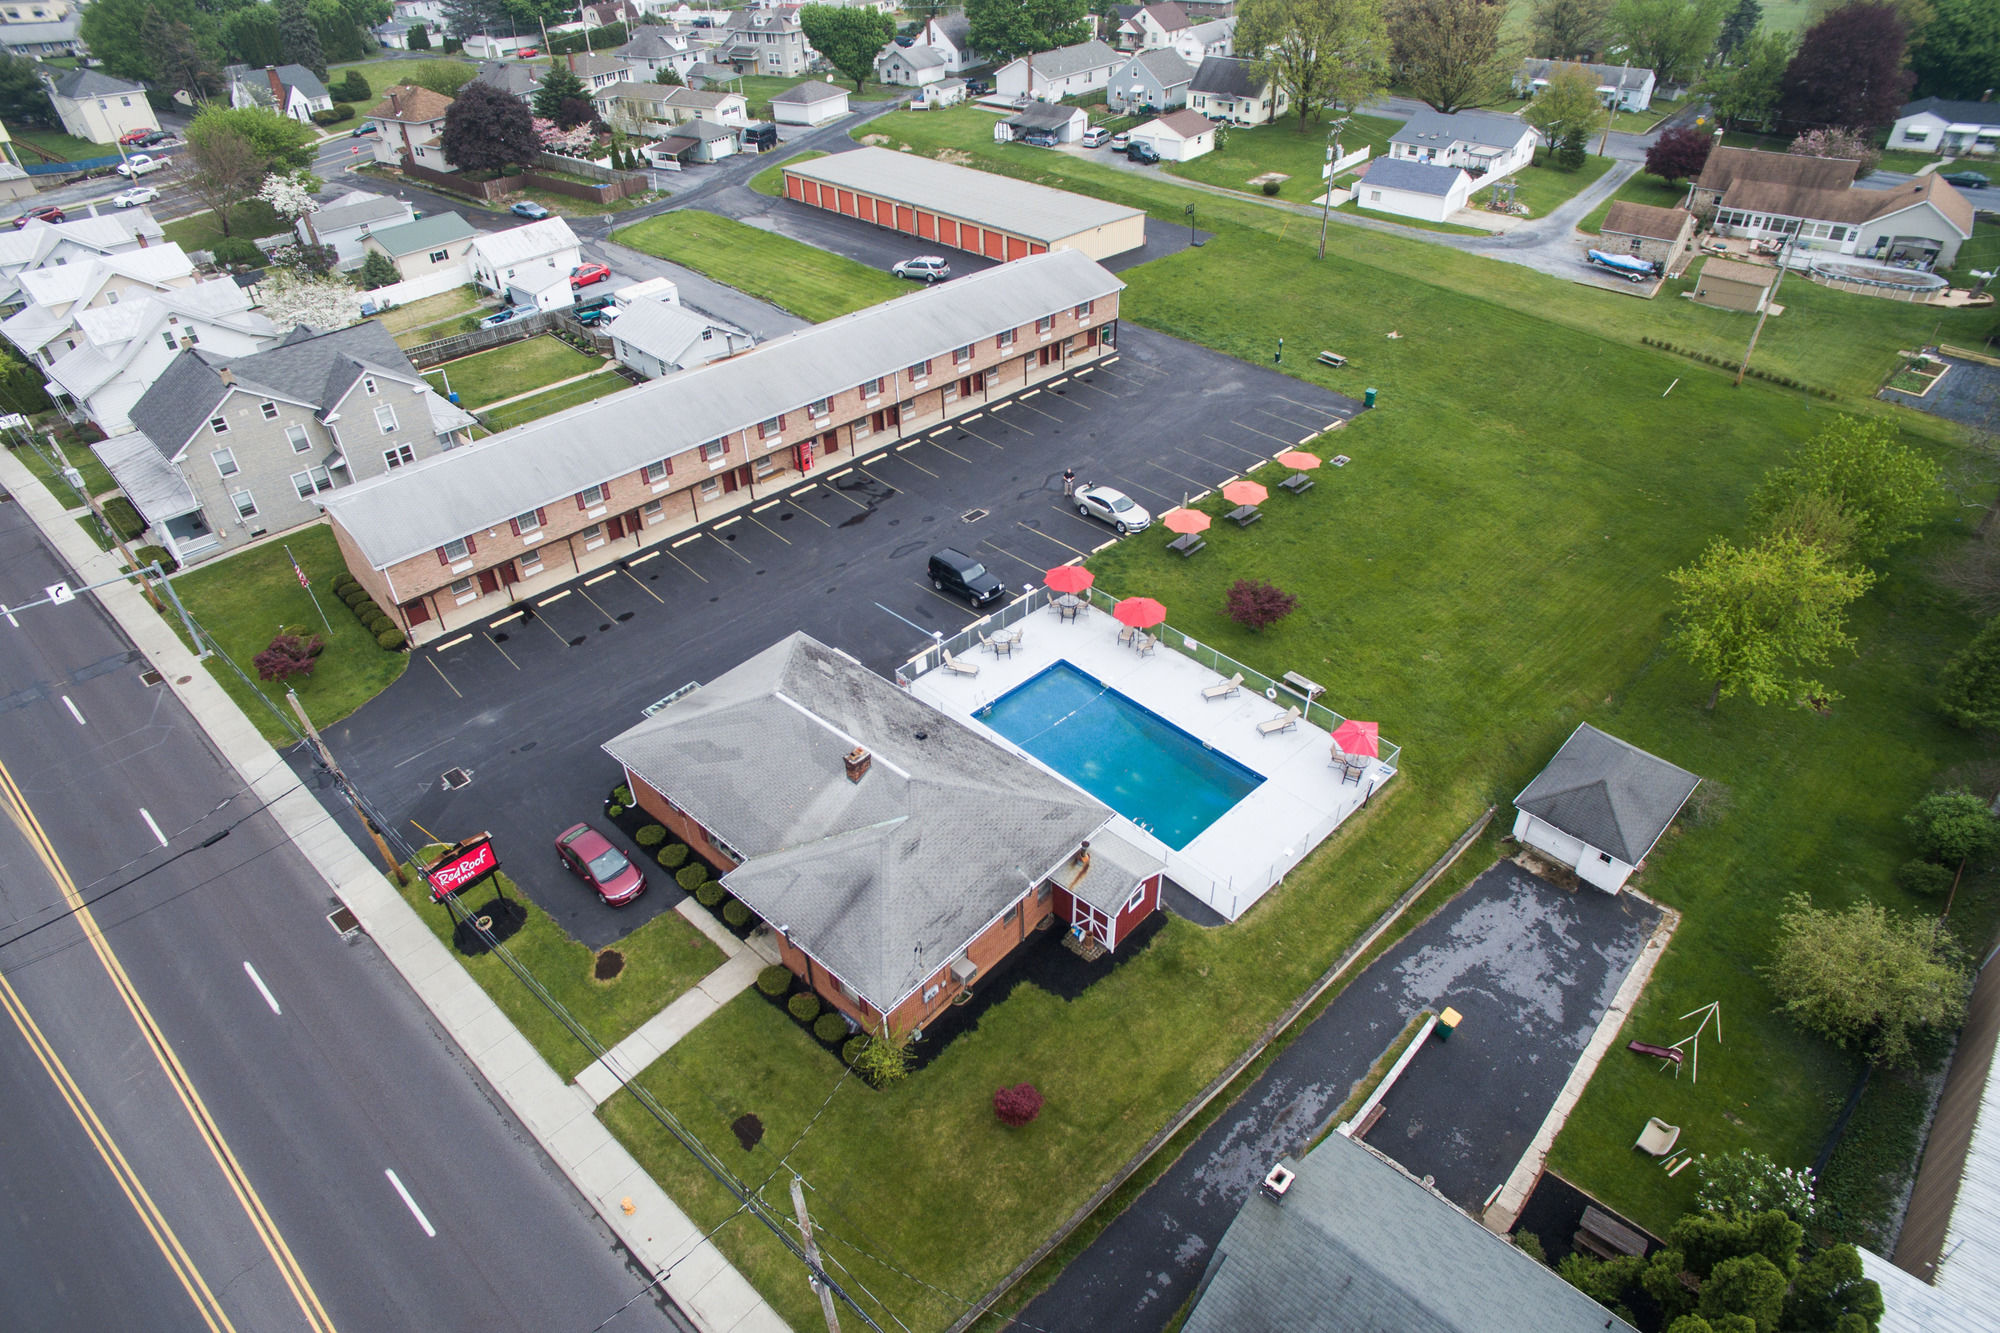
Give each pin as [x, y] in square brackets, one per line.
[561, 1117]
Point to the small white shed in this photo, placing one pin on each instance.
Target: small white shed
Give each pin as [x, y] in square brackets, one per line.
[1600, 806]
[1426, 190]
[809, 103]
[1179, 136]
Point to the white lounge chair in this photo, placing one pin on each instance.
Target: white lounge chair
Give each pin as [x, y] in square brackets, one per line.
[1658, 1137]
[962, 668]
[1278, 724]
[1224, 689]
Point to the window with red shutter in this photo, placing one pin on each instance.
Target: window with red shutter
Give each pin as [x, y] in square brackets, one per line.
[515, 524]
[471, 546]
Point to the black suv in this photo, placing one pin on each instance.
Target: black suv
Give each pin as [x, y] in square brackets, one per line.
[955, 571]
[1142, 153]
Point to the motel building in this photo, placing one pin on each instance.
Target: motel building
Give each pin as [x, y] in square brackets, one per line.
[897, 854]
[456, 539]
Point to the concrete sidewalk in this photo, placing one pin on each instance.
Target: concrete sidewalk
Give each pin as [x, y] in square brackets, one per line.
[562, 1117]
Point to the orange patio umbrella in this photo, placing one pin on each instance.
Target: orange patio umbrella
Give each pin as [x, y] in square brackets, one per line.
[1185, 520]
[1139, 612]
[1298, 460]
[1068, 579]
[1245, 493]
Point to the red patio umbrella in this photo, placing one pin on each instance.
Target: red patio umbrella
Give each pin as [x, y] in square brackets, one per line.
[1139, 612]
[1299, 460]
[1185, 520]
[1357, 737]
[1245, 493]
[1068, 578]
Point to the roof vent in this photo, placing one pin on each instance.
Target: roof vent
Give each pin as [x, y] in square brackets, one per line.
[1276, 1183]
[858, 760]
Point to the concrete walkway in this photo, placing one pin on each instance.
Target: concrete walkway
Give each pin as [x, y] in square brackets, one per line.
[561, 1117]
[546, 388]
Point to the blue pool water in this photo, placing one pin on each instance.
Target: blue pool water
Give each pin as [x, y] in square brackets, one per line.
[1133, 760]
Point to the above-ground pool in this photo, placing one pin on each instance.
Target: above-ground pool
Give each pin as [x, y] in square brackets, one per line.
[1133, 760]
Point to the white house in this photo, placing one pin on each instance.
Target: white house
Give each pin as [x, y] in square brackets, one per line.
[1151, 27]
[41, 244]
[950, 35]
[1217, 37]
[1813, 203]
[290, 90]
[658, 338]
[1063, 72]
[395, 34]
[46, 328]
[1428, 190]
[943, 93]
[525, 255]
[94, 106]
[596, 72]
[810, 103]
[1619, 87]
[1227, 88]
[909, 66]
[1178, 136]
[494, 46]
[1481, 142]
[1600, 806]
[129, 345]
[1157, 78]
[436, 250]
[344, 223]
[1934, 125]
[648, 109]
[654, 48]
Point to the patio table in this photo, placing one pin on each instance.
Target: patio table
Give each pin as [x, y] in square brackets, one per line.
[1068, 605]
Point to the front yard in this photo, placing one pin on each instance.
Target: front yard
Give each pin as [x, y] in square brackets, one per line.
[515, 368]
[1641, 189]
[811, 283]
[1545, 188]
[1246, 154]
[58, 146]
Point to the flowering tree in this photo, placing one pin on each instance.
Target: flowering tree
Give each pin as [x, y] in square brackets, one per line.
[1743, 1183]
[574, 140]
[290, 299]
[290, 195]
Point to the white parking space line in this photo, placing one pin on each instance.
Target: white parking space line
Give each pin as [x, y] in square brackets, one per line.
[147, 815]
[411, 1203]
[768, 504]
[73, 712]
[728, 522]
[496, 624]
[262, 989]
[897, 457]
[450, 643]
[548, 601]
[607, 574]
[641, 559]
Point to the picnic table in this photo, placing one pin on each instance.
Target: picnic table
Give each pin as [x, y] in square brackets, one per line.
[1606, 1237]
[1244, 515]
[1333, 359]
[1186, 544]
[1298, 483]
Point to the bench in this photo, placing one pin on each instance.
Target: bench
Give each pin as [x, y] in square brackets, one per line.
[1244, 515]
[1607, 1238]
[1298, 483]
[1299, 685]
[1334, 359]
[1186, 544]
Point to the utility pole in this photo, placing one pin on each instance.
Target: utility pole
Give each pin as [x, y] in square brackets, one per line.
[396, 871]
[812, 1254]
[1326, 180]
[1770, 298]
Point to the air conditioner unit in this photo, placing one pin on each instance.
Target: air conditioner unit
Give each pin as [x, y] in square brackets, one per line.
[1278, 1181]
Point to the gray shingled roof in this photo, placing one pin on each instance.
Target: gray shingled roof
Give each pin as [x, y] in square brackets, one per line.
[1396, 173]
[1958, 113]
[1164, 64]
[359, 212]
[1625, 78]
[650, 42]
[956, 27]
[1042, 116]
[1067, 60]
[292, 76]
[1357, 1246]
[1226, 76]
[809, 92]
[885, 880]
[74, 83]
[1614, 796]
[916, 57]
[1429, 129]
[516, 78]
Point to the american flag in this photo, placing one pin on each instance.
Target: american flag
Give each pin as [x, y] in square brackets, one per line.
[304, 582]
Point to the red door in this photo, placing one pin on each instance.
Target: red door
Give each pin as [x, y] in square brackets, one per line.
[905, 219]
[488, 581]
[510, 573]
[830, 442]
[885, 419]
[417, 612]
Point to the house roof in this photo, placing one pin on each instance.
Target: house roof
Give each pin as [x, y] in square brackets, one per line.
[695, 97]
[660, 329]
[651, 42]
[1106, 877]
[75, 83]
[439, 229]
[1213, 30]
[1625, 78]
[1660, 224]
[589, 64]
[1727, 166]
[443, 498]
[1614, 796]
[1400, 173]
[1429, 129]
[709, 132]
[517, 78]
[1733, 270]
[916, 57]
[156, 488]
[1953, 113]
[37, 324]
[1170, 16]
[15, 35]
[1358, 1246]
[955, 28]
[1042, 116]
[1163, 64]
[116, 333]
[1067, 60]
[407, 104]
[886, 880]
[530, 240]
[1852, 205]
[359, 208]
[1035, 212]
[1186, 124]
[1226, 76]
[292, 76]
[809, 92]
[105, 232]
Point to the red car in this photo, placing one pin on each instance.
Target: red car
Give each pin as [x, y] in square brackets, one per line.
[132, 138]
[585, 274]
[528, 52]
[592, 858]
[46, 213]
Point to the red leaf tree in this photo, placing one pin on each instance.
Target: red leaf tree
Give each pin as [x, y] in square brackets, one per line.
[1849, 71]
[1257, 603]
[1679, 154]
[289, 655]
[1018, 1105]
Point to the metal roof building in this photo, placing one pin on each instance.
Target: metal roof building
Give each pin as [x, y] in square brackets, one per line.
[962, 208]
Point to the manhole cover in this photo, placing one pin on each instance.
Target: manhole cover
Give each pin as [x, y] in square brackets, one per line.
[150, 678]
[972, 515]
[454, 778]
[343, 921]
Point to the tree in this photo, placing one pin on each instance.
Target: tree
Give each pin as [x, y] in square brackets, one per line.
[1750, 619]
[1669, 37]
[220, 168]
[340, 38]
[1568, 29]
[353, 87]
[290, 196]
[1953, 827]
[1865, 980]
[1745, 1182]
[288, 655]
[178, 60]
[848, 38]
[24, 98]
[1739, 27]
[1569, 108]
[419, 38]
[1831, 1291]
[298, 37]
[462, 18]
[669, 76]
[1319, 53]
[1960, 50]
[444, 77]
[1018, 1105]
[1257, 604]
[378, 270]
[1969, 689]
[1838, 143]
[1679, 153]
[1849, 71]
[1450, 51]
[1749, 1285]
[250, 35]
[486, 129]
[1004, 29]
[114, 32]
[291, 298]
[280, 143]
[1887, 488]
[1745, 94]
[558, 85]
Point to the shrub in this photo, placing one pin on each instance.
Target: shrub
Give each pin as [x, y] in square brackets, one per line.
[366, 610]
[333, 115]
[662, 858]
[830, 1027]
[804, 1006]
[622, 795]
[156, 555]
[354, 596]
[353, 88]
[854, 1048]
[1742, 1184]
[1257, 604]
[651, 836]
[1018, 1105]
[710, 894]
[1270, 189]
[674, 855]
[736, 914]
[341, 583]
[883, 1062]
[1528, 1243]
[391, 640]
[237, 250]
[123, 518]
[1925, 879]
[692, 877]
[380, 624]
[613, 811]
[288, 656]
[775, 980]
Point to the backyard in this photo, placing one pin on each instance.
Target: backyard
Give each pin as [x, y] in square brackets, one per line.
[515, 368]
[759, 89]
[1248, 153]
[812, 284]
[1641, 189]
[58, 146]
[551, 401]
[200, 231]
[431, 317]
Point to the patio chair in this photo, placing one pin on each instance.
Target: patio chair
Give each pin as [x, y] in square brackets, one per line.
[1278, 724]
[1125, 634]
[962, 668]
[1146, 644]
[998, 645]
[1658, 1137]
[1353, 771]
[1223, 689]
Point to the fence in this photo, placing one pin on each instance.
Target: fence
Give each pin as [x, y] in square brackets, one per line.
[457, 183]
[425, 355]
[415, 289]
[609, 184]
[71, 168]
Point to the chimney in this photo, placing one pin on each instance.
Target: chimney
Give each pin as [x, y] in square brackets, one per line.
[277, 86]
[226, 375]
[396, 101]
[858, 760]
[1277, 1182]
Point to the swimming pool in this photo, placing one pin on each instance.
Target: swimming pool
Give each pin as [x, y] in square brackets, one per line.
[1133, 760]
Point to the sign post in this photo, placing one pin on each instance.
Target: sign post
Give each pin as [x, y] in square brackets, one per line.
[462, 866]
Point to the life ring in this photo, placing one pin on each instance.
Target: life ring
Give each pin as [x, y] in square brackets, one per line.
[1270, 691]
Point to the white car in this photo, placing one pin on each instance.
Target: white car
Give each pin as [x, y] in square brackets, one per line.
[1096, 137]
[924, 268]
[1113, 506]
[137, 195]
[140, 164]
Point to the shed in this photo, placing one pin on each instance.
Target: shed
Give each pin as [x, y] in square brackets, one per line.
[1179, 136]
[1600, 806]
[1662, 235]
[1729, 284]
[1427, 190]
[1066, 123]
[810, 103]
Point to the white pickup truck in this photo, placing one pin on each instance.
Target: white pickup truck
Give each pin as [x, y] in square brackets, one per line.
[140, 164]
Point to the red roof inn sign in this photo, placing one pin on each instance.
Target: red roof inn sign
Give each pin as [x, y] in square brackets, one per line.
[462, 866]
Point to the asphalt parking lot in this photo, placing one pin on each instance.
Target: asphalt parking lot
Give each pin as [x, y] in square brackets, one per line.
[523, 702]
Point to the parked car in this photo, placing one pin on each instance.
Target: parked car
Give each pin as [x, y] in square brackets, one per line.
[132, 137]
[137, 195]
[154, 138]
[585, 274]
[1113, 506]
[924, 268]
[528, 208]
[1120, 141]
[528, 52]
[140, 164]
[1141, 152]
[1967, 180]
[499, 317]
[978, 87]
[46, 213]
[1040, 139]
[954, 571]
[1096, 137]
[592, 859]
[364, 128]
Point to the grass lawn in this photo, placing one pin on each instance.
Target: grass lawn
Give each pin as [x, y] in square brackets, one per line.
[381, 75]
[771, 180]
[502, 372]
[1982, 251]
[96, 479]
[1545, 188]
[759, 89]
[663, 958]
[1638, 122]
[555, 400]
[243, 600]
[59, 146]
[563, 205]
[1641, 189]
[419, 316]
[249, 220]
[811, 283]
[1249, 153]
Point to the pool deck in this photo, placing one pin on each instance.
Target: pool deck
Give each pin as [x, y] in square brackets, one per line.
[1239, 857]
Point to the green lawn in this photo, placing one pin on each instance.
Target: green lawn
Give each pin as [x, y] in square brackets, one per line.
[96, 479]
[1248, 153]
[59, 146]
[381, 76]
[1639, 122]
[759, 89]
[502, 372]
[771, 180]
[1417, 224]
[243, 600]
[812, 284]
[1982, 252]
[555, 400]
[563, 205]
[663, 958]
[423, 315]
[1641, 189]
[1545, 188]
[249, 220]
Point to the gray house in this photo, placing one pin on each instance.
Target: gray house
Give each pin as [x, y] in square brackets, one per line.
[345, 222]
[1157, 78]
[256, 439]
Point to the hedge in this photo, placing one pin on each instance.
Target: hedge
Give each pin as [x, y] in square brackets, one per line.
[851, 1050]
[674, 855]
[123, 518]
[692, 876]
[775, 980]
[830, 1027]
[804, 1006]
[736, 914]
[651, 836]
[391, 639]
[156, 555]
[709, 894]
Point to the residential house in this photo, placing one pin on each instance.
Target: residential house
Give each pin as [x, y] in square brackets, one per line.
[46, 328]
[395, 34]
[1149, 27]
[1412, 189]
[409, 126]
[650, 109]
[1066, 123]
[598, 72]
[436, 246]
[943, 93]
[1178, 136]
[1483, 143]
[41, 244]
[290, 90]
[1662, 235]
[498, 46]
[463, 536]
[765, 41]
[517, 78]
[708, 74]
[1601, 804]
[909, 66]
[950, 35]
[813, 102]
[526, 257]
[1063, 72]
[126, 347]
[899, 854]
[1156, 79]
[1227, 88]
[654, 48]
[344, 223]
[1729, 284]
[1812, 204]
[41, 41]
[34, 11]
[608, 12]
[1216, 37]
[93, 105]
[1619, 87]
[429, 11]
[657, 338]
[1344, 1240]
[259, 439]
[1934, 125]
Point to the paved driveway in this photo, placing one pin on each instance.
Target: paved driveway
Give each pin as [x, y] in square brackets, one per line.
[1532, 968]
[1969, 394]
[524, 703]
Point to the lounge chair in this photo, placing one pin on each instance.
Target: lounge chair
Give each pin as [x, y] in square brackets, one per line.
[1658, 1137]
[1278, 724]
[962, 668]
[1224, 689]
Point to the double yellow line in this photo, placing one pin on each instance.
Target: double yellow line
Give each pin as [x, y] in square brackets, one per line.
[128, 1180]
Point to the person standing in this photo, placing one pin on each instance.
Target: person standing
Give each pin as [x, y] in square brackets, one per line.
[1069, 481]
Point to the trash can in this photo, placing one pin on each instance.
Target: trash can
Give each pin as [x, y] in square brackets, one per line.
[1368, 398]
[1448, 1022]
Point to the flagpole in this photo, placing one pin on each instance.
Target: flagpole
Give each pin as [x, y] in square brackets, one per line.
[306, 583]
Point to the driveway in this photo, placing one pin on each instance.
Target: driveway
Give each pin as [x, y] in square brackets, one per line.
[1532, 967]
[1969, 394]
